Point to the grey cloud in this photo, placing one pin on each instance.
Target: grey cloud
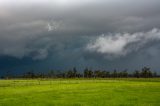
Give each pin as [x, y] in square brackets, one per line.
[92, 17]
[44, 28]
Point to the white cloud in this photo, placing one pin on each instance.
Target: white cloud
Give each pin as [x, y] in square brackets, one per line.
[53, 26]
[120, 44]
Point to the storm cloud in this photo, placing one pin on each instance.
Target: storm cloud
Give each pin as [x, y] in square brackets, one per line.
[93, 33]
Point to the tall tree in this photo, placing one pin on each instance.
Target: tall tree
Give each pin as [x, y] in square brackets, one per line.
[146, 72]
[74, 72]
[115, 73]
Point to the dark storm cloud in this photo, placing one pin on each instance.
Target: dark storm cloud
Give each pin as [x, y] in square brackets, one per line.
[60, 30]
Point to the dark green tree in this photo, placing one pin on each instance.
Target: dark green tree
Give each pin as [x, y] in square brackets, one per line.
[74, 72]
[146, 72]
[136, 74]
[115, 73]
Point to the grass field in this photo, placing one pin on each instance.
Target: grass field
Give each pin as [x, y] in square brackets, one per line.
[80, 92]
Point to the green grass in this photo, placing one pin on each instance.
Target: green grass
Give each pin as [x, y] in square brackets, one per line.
[80, 92]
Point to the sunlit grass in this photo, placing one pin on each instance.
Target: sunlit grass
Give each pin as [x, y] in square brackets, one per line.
[80, 92]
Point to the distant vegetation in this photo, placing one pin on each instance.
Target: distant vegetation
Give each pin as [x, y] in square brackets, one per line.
[145, 72]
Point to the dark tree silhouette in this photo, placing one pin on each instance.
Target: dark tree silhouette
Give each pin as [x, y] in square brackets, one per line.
[136, 74]
[51, 74]
[86, 72]
[74, 72]
[146, 72]
[115, 73]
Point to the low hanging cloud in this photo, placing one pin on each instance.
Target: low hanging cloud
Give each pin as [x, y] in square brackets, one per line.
[121, 44]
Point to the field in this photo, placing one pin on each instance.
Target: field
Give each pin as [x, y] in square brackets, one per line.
[80, 92]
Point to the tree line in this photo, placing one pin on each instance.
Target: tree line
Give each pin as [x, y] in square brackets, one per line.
[145, 72]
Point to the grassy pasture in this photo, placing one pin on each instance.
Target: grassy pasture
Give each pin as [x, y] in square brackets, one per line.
[80, 92]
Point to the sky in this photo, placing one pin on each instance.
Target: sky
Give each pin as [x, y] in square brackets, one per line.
[61, 34]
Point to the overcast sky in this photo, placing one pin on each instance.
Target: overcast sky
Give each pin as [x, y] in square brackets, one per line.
[61, 34]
